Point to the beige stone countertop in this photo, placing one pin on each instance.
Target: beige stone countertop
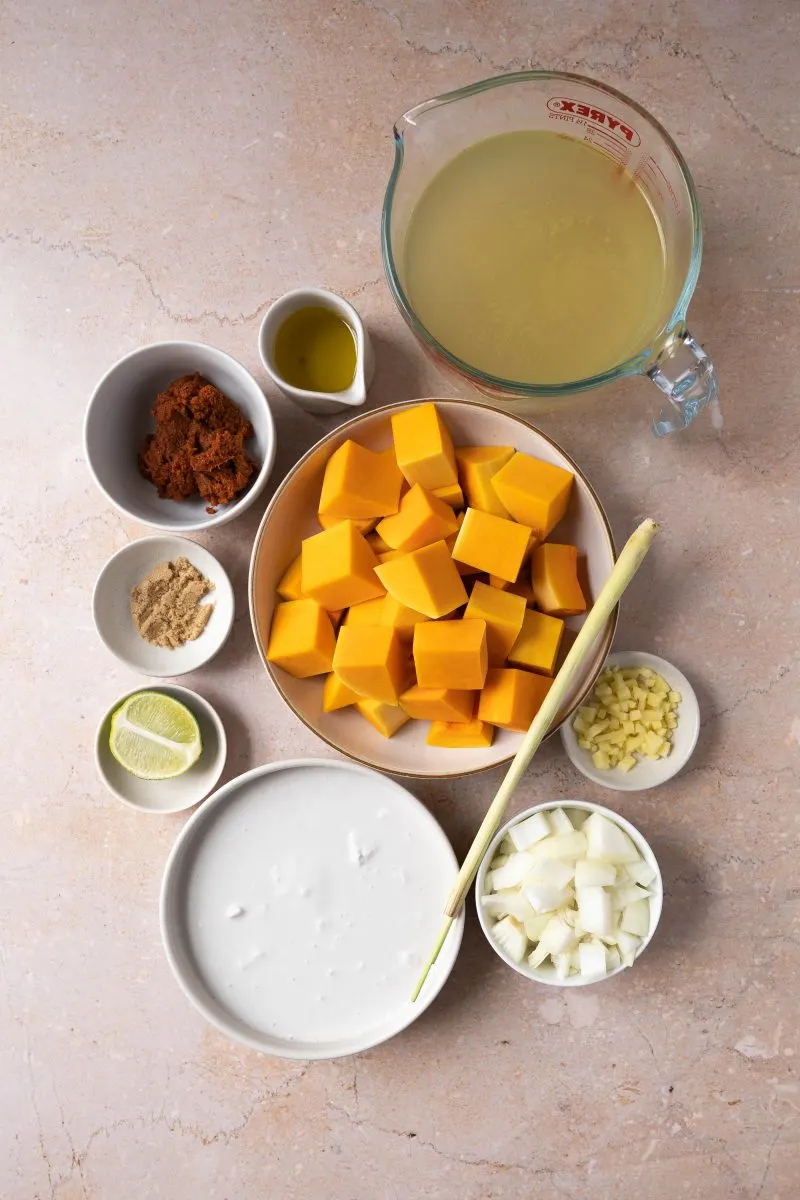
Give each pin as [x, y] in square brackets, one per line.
[165, 171]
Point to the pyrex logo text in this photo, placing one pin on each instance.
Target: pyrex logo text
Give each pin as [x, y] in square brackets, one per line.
[560, 104]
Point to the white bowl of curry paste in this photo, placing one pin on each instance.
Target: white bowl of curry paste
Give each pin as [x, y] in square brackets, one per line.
[179, 436]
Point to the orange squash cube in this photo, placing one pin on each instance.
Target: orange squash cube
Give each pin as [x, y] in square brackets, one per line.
[371, 661]
[512, 698]
[301, 638]
[438, 704]
[368, 612]
[477, 466]
[289, 586]
[359, 484]
[386, 718]
[472, 735]
[336, 694]
[538, 643]
[503, 613]
[451, 494]
[462, 568]
[328, 522]
[423, 447]
[451, 654]
[425, 580]
[422, 519]
[491, 544]
[398, 616]
[535, 493]
[554, 576]
[338, 567]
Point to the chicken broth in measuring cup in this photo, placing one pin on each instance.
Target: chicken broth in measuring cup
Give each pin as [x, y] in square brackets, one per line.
[536, 257]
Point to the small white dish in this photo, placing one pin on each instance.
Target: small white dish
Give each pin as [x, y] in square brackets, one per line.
[166, 795]
[322, 403]
[547, 974]
[111, 607]
[119, 417]
[648, 773]
[300, 903]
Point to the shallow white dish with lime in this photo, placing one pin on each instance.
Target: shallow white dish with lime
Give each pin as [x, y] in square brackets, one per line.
[160, 750]
[298, 905]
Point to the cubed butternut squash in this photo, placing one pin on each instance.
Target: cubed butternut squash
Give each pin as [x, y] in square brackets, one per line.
[463, 569]
[359, 484]
[537, 645]
[451, 654]
[438, 704]
[535, 493]
[554, 577]
[398, 616]
[423, 447]
[336, 694]
[477, 466]
[289, 587]
[364, 526]
[472, 735]
[386, 718]
[338, 567]
[368, 612]
[422, 519]
[370, 660]
[512, 698]
[451, 494]
[503, 613]
[425, 580]
[301, 638]
[491, 544]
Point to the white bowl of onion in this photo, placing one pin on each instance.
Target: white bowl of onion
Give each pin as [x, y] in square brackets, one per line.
[569, 894]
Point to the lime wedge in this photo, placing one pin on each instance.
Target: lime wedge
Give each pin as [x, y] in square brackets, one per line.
[154, 736]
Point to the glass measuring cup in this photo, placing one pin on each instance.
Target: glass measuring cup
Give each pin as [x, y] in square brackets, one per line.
[432, 133]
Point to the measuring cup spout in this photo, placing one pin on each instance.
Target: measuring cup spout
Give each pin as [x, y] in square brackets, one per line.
[686, 375]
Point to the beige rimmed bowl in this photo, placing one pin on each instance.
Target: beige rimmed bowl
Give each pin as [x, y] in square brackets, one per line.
[291, 516]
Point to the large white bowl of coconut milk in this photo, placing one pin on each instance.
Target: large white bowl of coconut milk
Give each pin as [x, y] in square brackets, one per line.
[300, 903]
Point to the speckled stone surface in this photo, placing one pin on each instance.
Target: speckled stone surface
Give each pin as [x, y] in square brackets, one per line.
[166, 170]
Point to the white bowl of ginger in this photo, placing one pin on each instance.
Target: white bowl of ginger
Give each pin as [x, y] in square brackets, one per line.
[163, 606]
[477, 721]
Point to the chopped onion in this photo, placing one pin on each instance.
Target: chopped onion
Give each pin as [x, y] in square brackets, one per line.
[551, 870]
[636, 918]
[563, 845]
[592, 958]
[560, 822]
[545, 897]
[594, 910]
[607, 842]
[595, 874]
[512, 872]
[512, 937]
[531, 830]
[570, 888]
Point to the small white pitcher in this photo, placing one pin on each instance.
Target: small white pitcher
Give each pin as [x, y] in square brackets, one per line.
[318, 402]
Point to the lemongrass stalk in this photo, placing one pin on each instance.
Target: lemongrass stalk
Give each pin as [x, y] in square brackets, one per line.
[623, 572]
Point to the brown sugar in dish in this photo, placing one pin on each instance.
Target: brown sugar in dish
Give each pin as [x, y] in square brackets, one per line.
[166, 606]
[198, 444]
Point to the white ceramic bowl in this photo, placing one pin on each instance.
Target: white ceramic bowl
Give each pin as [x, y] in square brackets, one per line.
[291, 516]
[286, 939]
[166, 795]
[648, 773]
[119, 417]
[547, 974]
[112, 613]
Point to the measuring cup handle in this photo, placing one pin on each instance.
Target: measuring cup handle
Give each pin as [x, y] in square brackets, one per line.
[685, 374]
